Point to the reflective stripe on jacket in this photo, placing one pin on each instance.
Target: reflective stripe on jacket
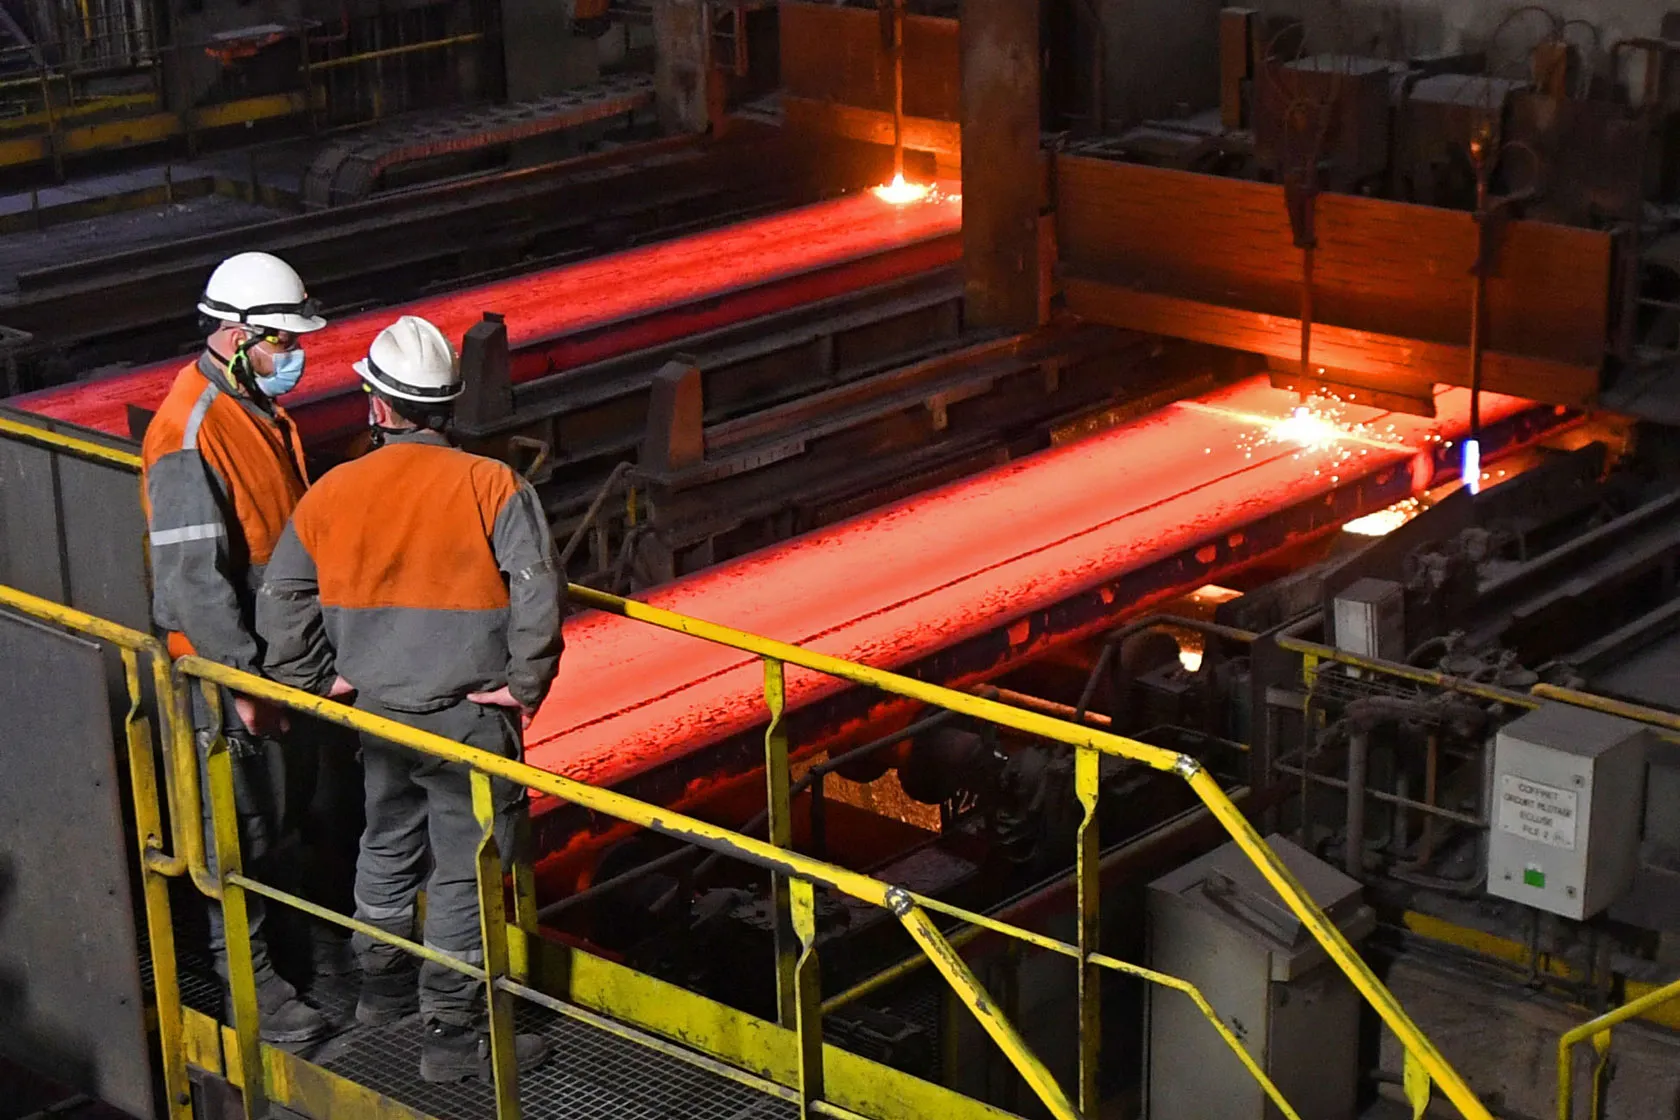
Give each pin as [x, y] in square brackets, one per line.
[220, 478]
[419, 573]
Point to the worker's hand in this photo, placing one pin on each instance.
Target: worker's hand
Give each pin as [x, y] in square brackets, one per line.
[502, 698]
[340, 687]
[259, 716]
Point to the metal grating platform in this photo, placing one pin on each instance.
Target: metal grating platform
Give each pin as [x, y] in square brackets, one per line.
[592, 1075]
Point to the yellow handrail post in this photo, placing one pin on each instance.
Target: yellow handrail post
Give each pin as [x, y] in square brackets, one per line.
[181, 759]
[236, 922]
[780, 833]
[807, 984]
[492, 925]
[522, 935]
[1087, 768]
[1601, 1072]
[160, 932]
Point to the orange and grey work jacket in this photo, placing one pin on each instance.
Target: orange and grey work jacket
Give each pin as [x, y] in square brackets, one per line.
[222, 475]
[419, 573]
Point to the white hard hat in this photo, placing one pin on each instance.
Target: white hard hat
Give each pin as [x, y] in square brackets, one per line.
[260, 290]
[412, 360]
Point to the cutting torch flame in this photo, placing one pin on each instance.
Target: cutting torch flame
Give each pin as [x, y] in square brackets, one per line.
[1307, 428]
[900, 193]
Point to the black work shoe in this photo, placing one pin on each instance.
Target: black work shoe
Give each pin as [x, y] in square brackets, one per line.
[388, 995]
[283, 1018]
[451, 1053]
[332, 956]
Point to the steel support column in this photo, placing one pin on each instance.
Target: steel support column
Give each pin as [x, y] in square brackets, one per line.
[681, 33]
[1001, 174]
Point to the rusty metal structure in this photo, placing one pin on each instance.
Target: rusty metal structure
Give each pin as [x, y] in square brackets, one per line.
[1016, 518]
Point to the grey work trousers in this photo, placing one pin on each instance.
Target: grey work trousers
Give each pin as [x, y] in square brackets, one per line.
[420, 812]
[298, 802]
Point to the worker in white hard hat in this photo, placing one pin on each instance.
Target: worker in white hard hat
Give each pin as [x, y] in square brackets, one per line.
[222, 469]
[423, 579]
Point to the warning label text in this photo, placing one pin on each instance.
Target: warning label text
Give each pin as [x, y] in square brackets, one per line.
[1537, 812]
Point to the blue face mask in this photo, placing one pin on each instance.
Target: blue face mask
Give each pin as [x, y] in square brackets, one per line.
[288, 371]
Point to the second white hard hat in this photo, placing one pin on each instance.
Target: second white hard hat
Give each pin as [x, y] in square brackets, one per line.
[412, 360]
[260, 290]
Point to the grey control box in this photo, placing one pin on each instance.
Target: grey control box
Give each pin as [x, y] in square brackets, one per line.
[1569, 784]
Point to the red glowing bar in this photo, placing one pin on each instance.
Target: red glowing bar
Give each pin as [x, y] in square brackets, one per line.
[893, 586]
[557, 319]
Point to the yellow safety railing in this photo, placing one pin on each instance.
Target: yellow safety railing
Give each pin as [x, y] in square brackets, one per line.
[1422, 1058]
[506, 968]
[799, 1000]
[1599, 1031]
[508, 946]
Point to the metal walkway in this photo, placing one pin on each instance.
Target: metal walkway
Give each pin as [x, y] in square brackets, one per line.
[591, 1074]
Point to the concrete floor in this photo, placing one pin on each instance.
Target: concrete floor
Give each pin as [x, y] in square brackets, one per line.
[1503, 1040]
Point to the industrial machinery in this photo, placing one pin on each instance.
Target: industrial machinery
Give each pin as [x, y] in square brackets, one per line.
[1140, 601]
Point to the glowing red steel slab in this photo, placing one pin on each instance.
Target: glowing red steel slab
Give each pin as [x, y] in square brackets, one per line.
[892, 586]
[579, 297]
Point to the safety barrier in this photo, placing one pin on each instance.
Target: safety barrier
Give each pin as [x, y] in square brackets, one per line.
[1599, 1031]
[506, 971]
[512, 946]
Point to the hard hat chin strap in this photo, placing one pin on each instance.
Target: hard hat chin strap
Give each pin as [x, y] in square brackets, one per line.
[239, 365]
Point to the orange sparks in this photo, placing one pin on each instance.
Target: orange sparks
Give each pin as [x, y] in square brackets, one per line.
[900, 193]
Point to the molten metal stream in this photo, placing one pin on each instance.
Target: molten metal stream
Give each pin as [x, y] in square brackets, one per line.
[898, 584]
[548, 306]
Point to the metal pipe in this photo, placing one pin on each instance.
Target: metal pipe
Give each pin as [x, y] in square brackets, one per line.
[1089, 692]
[1308, 253]
[1380, 795]
[1478, 292]
[391, 52]
[1399, 824]
[594, 511]
[1309, 732]
[1431, 776]
[898, 90]
[1359, 754]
